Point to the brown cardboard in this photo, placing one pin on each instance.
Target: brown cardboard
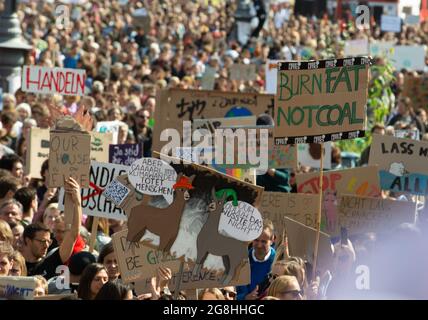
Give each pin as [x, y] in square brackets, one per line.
[37, 151]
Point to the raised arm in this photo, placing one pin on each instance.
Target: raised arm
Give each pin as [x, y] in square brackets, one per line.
[72, 206]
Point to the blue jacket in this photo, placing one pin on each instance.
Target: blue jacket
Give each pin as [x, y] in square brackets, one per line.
[259, 271]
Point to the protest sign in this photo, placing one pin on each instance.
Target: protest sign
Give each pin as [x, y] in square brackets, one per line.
[271, 70]
[46, 80]
[299, 207]
[402, 164]
[407, 134]
[109, 126]
[69, 155]
[125, 154]
[208, 78]
[301, 240]
[93, 201]
[17, 287]
[365, 214]
[357, 47]
[205, 279]
[37, 152]
[244, 72]
[411, 58]
[309, 154]
[320, 101]
[153, 177]
[412, 20]
[362, 181]
[390, 23]
[141, 18]
[100, 146]
[138, 262]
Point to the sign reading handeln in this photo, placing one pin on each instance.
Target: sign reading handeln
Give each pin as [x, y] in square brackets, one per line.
[318, 101]
[53, 80]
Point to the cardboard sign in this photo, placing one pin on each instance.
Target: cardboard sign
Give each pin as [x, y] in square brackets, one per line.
[390, 23]
[309, 154]
[320, 101]
[362, 181]
[402, 164]
[244, 72]
[17, 287]
[69, 156]
[358, 47]
[364, 214]
[153, 177]
[302, 208]
[93, 201]
[242, 222]
[301, 243]
[46, 80]
[125, 154]
[205, 279]
[138, 262]
[100, 146]
[109, 126]
[37, 152]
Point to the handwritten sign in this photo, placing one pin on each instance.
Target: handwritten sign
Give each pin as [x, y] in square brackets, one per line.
[299, 207]
[320, 101]
[242, 222]
[362, 181]
[94, 203]
[402, 164]
[100, 146]
[245, 72]
[358, 47]
[37, 152]
[402, 57]
[390, 23]
[365, 214]
[69, 156]
[309, 154]
[154, 177]
[125, 154]
[138, 262]
[17, 287]
[46, 80]
[271, 71]
[109, 126]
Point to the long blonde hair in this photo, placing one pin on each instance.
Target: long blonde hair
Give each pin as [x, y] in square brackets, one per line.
[280, 284]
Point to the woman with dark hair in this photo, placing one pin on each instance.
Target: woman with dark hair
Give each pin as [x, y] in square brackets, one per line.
[114, 291]
[93, 278]
[107, 258]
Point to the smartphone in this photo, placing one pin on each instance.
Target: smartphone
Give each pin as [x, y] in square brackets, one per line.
[343, 236]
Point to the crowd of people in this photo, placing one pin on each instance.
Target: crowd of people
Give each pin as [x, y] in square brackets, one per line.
[126, 65]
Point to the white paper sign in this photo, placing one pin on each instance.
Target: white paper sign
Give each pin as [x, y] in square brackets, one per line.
[53, 80]
[153, 177]
[390, 23]
[109, 126]
[307, 155]
[242, 222]
[271, 68]
[359, 47]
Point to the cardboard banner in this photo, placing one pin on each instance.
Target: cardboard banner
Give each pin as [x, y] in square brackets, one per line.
[138, 262]
[320, 101]
[390, 23]
[402, 164]
[362, 181]
[46, 80]
[244, 72]
[309, 154]
[205, 279]
[365, 214]
[93, 202]
[21, 288]
[188, 228]
[302, 208]
[301, 243]
[100, 146]
[37, 151]
[69, 156]
[109, 126]
[125, 154]
[358, 47]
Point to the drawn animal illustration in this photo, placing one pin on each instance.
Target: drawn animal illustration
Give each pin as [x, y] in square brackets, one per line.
[330, 210]
[164, 222]
[398, 169]
[210, 241]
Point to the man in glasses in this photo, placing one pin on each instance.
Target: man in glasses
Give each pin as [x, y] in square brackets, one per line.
[229, 293]
[37, 239]
[261, 257]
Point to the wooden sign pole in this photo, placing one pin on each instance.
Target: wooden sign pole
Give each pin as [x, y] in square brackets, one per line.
[178, 281]
[318, 222]
[94, 230]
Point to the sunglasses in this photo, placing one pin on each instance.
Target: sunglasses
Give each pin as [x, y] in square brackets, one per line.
[229, 294]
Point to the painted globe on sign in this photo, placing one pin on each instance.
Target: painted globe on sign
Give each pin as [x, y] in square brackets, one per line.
[238, 112]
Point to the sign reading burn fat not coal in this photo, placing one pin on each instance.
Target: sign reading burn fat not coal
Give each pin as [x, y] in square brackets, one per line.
[318, 101]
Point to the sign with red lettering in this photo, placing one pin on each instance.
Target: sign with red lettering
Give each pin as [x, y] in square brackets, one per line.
[53, 80]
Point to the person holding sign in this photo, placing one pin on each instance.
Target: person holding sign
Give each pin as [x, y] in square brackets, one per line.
[37, 238]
